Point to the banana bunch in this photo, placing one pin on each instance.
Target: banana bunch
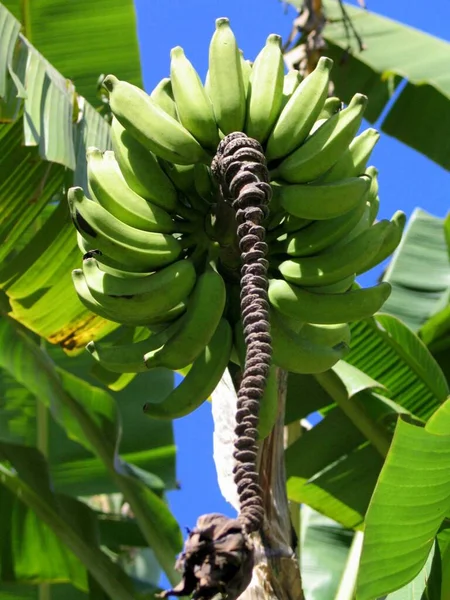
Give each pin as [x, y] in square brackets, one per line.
[160, 255]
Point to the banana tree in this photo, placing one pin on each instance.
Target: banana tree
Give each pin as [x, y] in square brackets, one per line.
[388, 378]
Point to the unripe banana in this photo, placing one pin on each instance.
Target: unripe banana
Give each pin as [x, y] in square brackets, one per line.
[331, 106]
[151, 125]
[86, 297]
[205, 309]
[354, 305]
[108, 186]
[162, 95]
[129, 357]
[194, 107]
[339, 287]
[297, 354]
[319, 201]
[145, 307]
[373, 199]
[265, 90]
[201, 379]
[354, 160]
[139, 250]
[203, 183]
[323, 149]
[226, 82]
[292, 224]
[300, 113]
[337, 262]
[327, 335]
[291, 82]
[319, 235]
[174, 281]
[141, 169]
[391, 240]
[246, 66]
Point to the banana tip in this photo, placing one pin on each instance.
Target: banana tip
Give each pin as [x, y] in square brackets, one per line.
[221, 21]
[109, 82]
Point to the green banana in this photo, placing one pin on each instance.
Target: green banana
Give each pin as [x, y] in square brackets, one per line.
[391, 240]
[323, 149]
[356, 304]
[203, 183]
[137, 309]
[326, 335]
[265, 90]
[337, 262]
[141, 169]
[292, 224]
[246, 67]
[87, 298]
[114, 381]
[319, 201]
[129, 357]
[331, 106]
[151, 125]
[204, 311]
[354, 160]
[300, 113]
[226, 82]
[108, 186]
[194, 107]
[201, 379]
[162, 95]
[182, 176]
[339, 287]
[319, 235]
[298, 354]
[140, 250]
[291, 82]
[165, 287]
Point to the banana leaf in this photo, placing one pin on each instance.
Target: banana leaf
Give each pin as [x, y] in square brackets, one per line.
[83, 39]
[388, 371]
[409, 504]
[419, 274]
[420, 114]
[90, 418]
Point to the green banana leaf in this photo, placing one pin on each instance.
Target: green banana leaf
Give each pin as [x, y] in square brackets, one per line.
[324, 549]
[388, 371]
[393, 52]
[66, 525]
[83, 39]
[146, 445]
[427, 584]
[89, 417]
[419, 274]
[410, 501]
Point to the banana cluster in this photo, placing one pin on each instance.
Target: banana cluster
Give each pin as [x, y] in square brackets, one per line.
[157, 255]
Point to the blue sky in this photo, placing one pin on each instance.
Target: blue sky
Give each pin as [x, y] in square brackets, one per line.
[407, 179]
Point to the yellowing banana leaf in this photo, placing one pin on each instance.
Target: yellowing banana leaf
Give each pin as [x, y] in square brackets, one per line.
[411, 500]
[48, 129]
[419, 273]
[66, 525]
[89, 417]
[420, 116]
